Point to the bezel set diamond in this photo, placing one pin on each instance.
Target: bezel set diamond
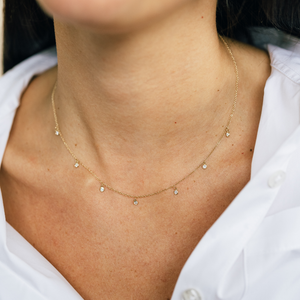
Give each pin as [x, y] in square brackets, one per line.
[227, 132]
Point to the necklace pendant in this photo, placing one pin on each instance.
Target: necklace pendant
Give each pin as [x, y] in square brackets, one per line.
[102, 189]
[176, 191]
[56, 132]
[227, 132]
[76, 164]
[204, 166]
[135, 202]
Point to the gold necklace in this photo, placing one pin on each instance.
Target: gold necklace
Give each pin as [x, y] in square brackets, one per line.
[203, 164]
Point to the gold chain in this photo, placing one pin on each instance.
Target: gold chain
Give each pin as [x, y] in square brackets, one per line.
[203, 164]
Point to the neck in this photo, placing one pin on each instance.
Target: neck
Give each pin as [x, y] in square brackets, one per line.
[158, 87]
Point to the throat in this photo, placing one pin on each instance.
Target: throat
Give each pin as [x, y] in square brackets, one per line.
[148, 88]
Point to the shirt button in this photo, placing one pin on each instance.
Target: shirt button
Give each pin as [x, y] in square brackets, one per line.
[190, 294]
[276, 179]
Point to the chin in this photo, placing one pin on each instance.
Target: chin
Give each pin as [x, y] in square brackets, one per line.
[109, 16]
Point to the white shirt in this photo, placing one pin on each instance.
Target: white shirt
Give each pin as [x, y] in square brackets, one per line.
[252, 252]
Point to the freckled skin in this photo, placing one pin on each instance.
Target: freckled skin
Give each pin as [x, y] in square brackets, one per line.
[127, 69]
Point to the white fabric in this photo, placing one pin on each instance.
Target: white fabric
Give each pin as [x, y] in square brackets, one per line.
[252, 252]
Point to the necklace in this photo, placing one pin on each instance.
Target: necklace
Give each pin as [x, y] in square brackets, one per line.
[203, 164]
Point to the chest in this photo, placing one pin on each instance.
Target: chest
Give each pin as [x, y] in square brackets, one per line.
[110, 249]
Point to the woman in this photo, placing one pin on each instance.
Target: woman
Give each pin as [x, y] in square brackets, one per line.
[126, 174]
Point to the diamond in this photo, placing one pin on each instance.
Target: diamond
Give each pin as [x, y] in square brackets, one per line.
[102, 189]
[176, 191]
[56, 132]
[135, 202]
[204, 166]
[76, 164]
[227, 132]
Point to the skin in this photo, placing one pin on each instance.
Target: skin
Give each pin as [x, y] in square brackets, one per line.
[144, 90]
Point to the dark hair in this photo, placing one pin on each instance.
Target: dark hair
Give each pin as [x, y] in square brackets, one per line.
[28, 30]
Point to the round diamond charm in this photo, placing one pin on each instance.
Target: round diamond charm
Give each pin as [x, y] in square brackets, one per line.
[204, 166]
[56, 132]
[176, 191]
[76, 164]
[102, 189]
[227, 132]
[135, 202]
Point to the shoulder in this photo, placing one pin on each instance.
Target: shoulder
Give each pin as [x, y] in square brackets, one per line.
[22, 107]
[14, 82]
[253, 64]
[274, 53]
[283, 49]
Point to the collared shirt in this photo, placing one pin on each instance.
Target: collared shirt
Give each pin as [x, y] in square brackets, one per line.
[252, 252]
